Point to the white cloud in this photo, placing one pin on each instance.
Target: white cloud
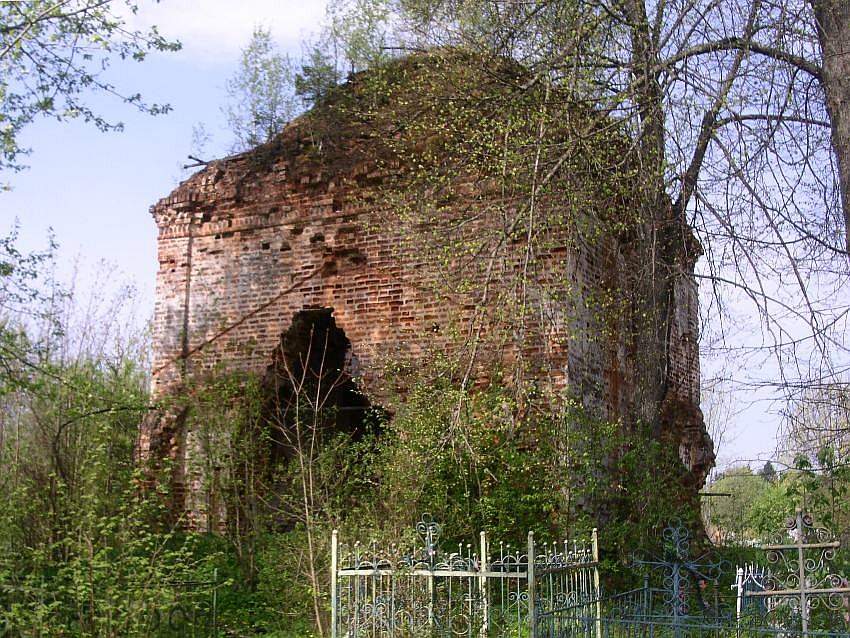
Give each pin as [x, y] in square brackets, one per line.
[214, 31]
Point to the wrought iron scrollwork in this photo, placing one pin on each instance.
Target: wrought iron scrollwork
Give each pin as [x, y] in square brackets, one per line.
[684, 578]
[463, 591]
[799, 579]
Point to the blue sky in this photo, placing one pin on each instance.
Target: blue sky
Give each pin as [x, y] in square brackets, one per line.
[94, 189]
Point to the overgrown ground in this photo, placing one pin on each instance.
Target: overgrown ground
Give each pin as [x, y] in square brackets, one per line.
[89, 546]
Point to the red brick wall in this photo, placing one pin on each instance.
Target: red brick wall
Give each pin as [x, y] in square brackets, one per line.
[242, 249]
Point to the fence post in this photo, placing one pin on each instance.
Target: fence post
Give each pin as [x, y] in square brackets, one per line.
[334, 569]
[596, 584]
[431, 597]
[739, 592]
[482, 589]
[739, 598]
[532, 624]
[801, 573]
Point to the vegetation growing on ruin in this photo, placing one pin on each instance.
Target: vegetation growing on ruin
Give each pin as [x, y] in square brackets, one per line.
[91, 544]
[493, 467]
[86, 552]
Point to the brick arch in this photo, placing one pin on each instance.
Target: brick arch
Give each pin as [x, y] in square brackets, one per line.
[312, 328]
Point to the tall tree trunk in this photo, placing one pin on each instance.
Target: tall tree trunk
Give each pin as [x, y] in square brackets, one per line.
[653, 255]
[833, 27]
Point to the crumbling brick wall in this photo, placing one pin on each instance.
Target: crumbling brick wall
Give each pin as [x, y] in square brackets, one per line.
[251, 240]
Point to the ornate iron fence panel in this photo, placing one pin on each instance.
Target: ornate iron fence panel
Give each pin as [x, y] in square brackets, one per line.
[796, 595]
[570, 582]
[689, 584]
[472, 591]
[553, 590]
[797, 589]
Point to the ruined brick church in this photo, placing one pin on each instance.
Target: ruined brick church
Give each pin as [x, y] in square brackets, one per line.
[312, 233]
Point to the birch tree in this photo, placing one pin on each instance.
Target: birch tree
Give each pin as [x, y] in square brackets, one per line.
[261, 94]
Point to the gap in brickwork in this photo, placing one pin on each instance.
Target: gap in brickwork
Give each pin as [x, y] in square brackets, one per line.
[313, 390]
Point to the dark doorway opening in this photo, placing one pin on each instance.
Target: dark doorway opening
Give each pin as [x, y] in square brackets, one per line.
[313, 386]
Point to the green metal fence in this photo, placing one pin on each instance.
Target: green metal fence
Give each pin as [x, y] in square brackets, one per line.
[794, 594]
[633, 614]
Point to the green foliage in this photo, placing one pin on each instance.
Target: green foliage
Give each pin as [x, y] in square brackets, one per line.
[85, 554]
[757, 508]
[83, 551]
[473, 459]
[485, 460]
[22, 300]
[772, 506]
[274, 496]
[732, 515]
[317, 77]
[52, 55]
[18, 273]
[822, 488]
[261, 94]
[359, 28]
[470, 461]
[629, 502]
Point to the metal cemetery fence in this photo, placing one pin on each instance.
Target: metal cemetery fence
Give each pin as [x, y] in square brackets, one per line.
[681, 604]
[796, 595]
[798, 584]
[553, 590]
[485, 590]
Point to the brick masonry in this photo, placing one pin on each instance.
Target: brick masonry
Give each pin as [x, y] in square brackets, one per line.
[245, 244]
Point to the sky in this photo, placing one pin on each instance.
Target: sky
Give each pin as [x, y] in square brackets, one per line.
[94, 189]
